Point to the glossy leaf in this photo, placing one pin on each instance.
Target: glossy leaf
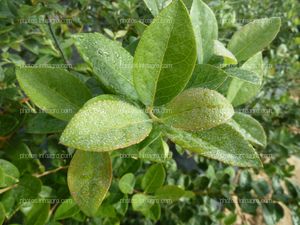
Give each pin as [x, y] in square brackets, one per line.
[154, 178]
[221, 50]
[206, 30]
[254, 37]
[106, 123]
[89, 178]
[126, 183]
[207, 76]
[56, 91]
[162, 73]
[250, 128]
[197, 109]
[110, 62]
[9, 174]
[240, 92]
[222, 143]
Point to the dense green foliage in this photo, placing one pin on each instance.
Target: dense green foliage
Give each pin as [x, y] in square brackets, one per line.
[170, 88]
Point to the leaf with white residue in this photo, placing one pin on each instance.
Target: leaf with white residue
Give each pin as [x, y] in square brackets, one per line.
[222, 143]
[249, 128]
[89, 178]
[197, 109]
[111, 63]
[106, 123]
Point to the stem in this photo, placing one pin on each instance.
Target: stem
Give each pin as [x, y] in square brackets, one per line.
[151, 114]
[36, 175]
[50, 171]
[56, 41]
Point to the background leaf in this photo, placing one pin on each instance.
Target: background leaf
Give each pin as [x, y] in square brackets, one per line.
[253, 37]
[154, 178]
[206, 30]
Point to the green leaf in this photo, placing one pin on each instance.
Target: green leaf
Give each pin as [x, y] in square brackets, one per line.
[126, 183]
[222, 143]
[106, 123]
[261, 187]
[207, 76]
[111, 63]
[272, 213]
[206, 30]
[8, 124]
[44, 124]
[154, 148]
[250, 128]
[197, 109]
[9, 174]
[162, 73]
[240, 92]
[142, 202]
[66, 210]
[2, 213]
[38, 215]
[221, 50]
[254, 37]
[89, 178]
[56, 91]
[170, 192]
[155, 6]
[244, 75]
[154, 178]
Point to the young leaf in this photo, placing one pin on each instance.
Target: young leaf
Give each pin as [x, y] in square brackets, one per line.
[221, 50]
[253, 37]
[66, 210]
[222, 143]
[56, 91]
[197, 109]
[155, 6]
[89, 178]
[165, 57]
[126, 183]
[154, 178]
[111, 63]
[239, 91]
[207, 76]
[171, 192]
[244, 75]
[249, 128]
[106, 123]
[9, 174]
[206, 30]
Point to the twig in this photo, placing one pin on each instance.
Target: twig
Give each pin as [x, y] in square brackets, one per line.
[56, 41]
[50, 171]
